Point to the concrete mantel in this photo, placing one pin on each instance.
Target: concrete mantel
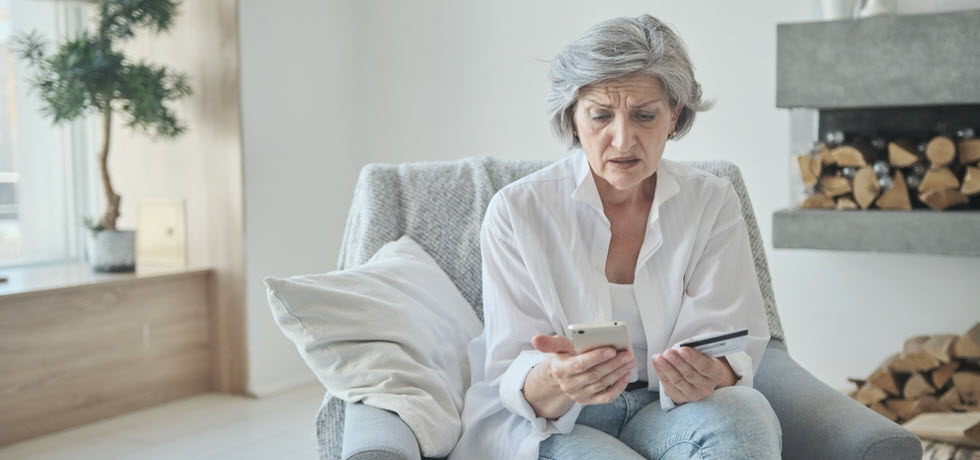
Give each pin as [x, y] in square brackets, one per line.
[883, 61]
[919, 231]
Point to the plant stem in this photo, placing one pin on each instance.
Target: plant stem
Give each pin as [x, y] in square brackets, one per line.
[108, 221]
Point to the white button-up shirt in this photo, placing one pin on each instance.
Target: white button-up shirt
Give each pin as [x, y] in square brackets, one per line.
[544, 241]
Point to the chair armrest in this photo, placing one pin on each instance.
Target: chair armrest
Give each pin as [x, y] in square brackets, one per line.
[819, 422]
[376, 434]
[330, 428]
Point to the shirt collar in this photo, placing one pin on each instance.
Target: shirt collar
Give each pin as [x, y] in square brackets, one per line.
[587, 192]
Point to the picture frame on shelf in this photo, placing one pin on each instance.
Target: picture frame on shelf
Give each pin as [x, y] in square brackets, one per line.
[161, 233]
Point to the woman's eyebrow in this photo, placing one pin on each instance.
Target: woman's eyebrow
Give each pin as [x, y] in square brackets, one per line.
[609, 106]
[596, 102]
[645, 103]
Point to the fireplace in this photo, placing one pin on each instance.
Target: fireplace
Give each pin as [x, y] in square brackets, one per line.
[889, 111]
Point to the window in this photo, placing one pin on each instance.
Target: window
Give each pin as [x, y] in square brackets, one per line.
[47, 172]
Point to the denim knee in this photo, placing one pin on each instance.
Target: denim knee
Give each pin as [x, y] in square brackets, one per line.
[733, 423]
[745, 414]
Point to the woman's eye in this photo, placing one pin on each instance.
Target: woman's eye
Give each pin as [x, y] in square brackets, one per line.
[646, 116]
[600, 117]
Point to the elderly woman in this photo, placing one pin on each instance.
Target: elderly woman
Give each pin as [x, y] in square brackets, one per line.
[615, 232]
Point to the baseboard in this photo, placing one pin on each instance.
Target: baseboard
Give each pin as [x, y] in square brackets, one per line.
[264, 389]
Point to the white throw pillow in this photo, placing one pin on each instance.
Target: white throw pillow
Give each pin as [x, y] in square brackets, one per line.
[391, 333]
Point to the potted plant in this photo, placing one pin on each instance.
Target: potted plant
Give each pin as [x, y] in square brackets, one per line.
[88, 74]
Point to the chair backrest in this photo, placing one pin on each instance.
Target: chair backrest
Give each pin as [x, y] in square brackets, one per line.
[441, 205]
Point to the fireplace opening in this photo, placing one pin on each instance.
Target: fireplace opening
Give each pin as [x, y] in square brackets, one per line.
[894, 158]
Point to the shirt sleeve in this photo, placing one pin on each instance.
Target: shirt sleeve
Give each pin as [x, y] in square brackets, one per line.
[513, 315]
[722, 293]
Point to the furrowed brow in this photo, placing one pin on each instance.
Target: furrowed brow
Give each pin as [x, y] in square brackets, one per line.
[596, 102]
[640, 106]
[609, 106]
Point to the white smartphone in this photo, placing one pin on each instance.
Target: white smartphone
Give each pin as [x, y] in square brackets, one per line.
[589, 336]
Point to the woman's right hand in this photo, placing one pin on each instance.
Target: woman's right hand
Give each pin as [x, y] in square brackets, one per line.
[594, 377]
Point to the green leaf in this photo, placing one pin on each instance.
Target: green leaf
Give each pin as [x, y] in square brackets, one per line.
[145, 89]
[92, 224]
[87, 75]
[119, 18]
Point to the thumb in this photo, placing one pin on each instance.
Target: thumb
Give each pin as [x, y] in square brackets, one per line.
[552, 344]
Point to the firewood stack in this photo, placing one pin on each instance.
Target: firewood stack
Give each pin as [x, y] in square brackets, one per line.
[936, 373]
[940, 174]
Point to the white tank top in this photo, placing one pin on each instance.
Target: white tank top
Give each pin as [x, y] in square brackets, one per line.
[625, 308]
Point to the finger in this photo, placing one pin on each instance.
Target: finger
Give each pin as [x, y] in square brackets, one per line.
[672, 393]
[585, 361]
[715, 370]
[588, 391]
[665, 382]
[703, 363]
[669, 374]
[603, 371]
[610, 394]
[568, 367]
[688, 372]
[688, 381]
[669, 390]
[552, 344]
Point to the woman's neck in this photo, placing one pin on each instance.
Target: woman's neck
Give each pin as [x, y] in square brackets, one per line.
[640, 196]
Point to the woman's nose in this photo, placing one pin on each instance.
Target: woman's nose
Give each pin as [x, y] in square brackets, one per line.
[623, 136]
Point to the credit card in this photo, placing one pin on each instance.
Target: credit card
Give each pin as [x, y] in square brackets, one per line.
[718, 345]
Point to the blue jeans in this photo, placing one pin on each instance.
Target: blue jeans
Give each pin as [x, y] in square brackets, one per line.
[733, 423]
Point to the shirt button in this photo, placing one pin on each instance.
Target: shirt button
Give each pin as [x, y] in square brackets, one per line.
[598, 269]
[604, 317]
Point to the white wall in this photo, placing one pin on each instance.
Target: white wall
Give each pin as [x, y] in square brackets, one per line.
[298, 116]
[329, 86]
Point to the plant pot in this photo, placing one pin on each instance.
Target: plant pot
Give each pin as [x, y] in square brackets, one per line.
[112, 251]
[838, 9]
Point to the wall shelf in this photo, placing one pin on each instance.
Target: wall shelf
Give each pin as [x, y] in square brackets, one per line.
[954, 233]
[891, 75]
[883, 61]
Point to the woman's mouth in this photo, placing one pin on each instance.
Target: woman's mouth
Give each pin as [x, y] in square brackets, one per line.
[625, 163]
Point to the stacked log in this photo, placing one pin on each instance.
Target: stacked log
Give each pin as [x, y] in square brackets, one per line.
[932, 374]
[940, 174]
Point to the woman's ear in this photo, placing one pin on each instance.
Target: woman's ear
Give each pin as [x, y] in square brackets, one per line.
[675, 116]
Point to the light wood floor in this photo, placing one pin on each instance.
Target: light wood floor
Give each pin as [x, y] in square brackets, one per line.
[206, 426]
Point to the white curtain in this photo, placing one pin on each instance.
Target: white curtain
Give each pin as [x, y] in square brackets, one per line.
[49, 168]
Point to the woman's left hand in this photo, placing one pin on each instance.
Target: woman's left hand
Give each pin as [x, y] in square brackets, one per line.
[688, 375]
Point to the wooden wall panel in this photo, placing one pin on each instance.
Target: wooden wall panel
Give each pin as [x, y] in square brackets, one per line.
[203, 167]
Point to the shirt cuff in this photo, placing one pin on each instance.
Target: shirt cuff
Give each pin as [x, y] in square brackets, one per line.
[666, 403]
[741, 363]
[511, 383]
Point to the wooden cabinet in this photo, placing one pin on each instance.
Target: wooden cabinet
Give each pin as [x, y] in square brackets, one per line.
[77, 354]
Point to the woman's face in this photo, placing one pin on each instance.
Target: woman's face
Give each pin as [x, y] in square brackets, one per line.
[623, 124]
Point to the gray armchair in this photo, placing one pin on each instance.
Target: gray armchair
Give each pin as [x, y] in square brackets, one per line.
[391, 200]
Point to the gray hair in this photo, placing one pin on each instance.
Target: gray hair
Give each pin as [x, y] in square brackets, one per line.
[617, 48]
